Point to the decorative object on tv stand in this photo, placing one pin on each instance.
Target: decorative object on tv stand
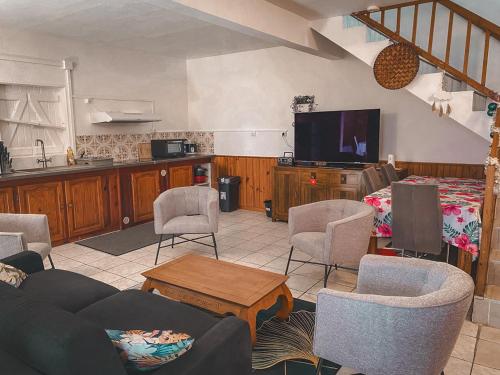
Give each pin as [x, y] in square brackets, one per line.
[391, 159]
[303, 103]
[396, 66]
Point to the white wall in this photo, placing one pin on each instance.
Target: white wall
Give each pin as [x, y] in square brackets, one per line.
[110, 73]
[253, 90]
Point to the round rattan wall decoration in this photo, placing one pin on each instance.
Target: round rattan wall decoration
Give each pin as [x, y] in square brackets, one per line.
[396, 66]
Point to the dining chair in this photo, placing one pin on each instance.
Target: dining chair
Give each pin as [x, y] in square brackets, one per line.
[335, 233]
[389, 173]
[25, 232]
[404, 318]
[372, 180]
[187, 210]
[417, 218]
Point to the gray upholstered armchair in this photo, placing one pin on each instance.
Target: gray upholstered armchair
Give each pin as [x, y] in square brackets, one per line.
[20, 232]
[333, 233]
[187, 210]
[404, 319]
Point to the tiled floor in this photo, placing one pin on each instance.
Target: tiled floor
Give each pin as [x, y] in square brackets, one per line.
[251, 239]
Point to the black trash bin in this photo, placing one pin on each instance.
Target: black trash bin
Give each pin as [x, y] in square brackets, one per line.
[229, 193]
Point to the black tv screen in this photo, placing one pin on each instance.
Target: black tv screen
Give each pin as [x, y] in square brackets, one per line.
[338, 136]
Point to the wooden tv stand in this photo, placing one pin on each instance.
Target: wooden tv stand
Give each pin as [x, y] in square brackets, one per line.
[292, 187]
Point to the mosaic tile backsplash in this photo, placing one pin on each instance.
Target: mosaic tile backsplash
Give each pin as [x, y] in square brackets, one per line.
[122, 147]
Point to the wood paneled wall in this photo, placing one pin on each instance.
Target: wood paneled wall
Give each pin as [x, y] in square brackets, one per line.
[443, 169]
[256, 185]
[255, 173]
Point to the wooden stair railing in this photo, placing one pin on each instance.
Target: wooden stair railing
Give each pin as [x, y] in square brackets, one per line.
[490, 30]
[488, 215]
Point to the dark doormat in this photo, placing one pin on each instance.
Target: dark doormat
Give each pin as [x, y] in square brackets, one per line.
[123, 241]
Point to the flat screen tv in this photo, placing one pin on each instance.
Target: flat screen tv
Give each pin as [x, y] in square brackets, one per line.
[337, 136]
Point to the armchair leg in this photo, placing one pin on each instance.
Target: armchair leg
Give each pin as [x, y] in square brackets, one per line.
[173, 238]
[51, 262]
[288, 263]
[325, 279]
[318, 368]
[158, 251]
[215, 246]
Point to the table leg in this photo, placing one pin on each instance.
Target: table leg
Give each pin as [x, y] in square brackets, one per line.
[250, 315]
[372, 245]
[146, 287]
[286, 299]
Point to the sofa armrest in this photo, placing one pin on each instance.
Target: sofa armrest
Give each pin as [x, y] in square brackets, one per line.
[347, 239]
[11, 243]
[213, 209]
[164, 209]
[27, 261]
[225, 349]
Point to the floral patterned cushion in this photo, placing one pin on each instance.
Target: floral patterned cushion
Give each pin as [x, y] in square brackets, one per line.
[11, 275]
[146, 351]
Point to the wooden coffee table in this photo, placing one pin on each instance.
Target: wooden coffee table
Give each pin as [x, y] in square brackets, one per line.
[221, 287]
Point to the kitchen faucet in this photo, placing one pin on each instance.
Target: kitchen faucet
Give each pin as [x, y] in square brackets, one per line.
[44, 159]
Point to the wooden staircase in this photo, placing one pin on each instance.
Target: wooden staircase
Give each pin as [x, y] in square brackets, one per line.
[377, 21]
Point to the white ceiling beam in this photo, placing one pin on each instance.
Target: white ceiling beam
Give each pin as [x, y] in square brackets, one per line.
[258, 18]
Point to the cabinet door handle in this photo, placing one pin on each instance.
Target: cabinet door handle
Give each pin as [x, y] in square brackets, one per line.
[70, 205]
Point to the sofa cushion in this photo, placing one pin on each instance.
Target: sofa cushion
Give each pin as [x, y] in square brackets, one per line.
[68, 290]
[148, 350]
[134, 309]
[54, 341]
[11, 275]
[12, 365]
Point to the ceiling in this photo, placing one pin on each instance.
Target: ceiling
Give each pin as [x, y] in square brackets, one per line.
[316, 9]
[132, 24]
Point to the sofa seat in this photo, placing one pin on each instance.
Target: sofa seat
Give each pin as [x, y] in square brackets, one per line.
[11, 365]
[220, 346]
[66, 290]
[133, 309]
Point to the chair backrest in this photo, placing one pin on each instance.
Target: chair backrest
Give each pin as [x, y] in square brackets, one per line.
[372, 180]
[389, 173]
[418, 329]
[417, 217]
[189, 200]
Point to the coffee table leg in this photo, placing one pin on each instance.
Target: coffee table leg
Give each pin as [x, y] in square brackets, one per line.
[146, 287]
[250, 316]
[286, 299]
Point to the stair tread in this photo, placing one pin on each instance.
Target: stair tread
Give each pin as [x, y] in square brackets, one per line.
[492, 292]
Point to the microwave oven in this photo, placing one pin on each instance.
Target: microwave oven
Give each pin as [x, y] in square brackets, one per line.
[167, 148]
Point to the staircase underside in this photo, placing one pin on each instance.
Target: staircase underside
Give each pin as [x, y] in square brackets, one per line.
[468, 108]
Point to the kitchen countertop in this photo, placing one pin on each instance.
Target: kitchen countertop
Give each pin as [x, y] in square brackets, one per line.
[62, 170]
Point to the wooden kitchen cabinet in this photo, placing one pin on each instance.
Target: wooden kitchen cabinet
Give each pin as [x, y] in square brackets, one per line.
[85, 205]
[288, 193]
[7, 200]
[45, 198]
[145, 187]
[180, 176]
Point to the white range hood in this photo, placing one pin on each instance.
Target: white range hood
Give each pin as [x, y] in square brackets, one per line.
[123, 117]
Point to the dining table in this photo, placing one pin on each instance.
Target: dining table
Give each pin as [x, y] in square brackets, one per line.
[461, 202]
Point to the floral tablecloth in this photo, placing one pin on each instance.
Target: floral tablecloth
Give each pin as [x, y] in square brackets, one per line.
[461, 200]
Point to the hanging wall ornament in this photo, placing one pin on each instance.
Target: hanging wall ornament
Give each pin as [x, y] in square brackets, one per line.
[396, 66]
[441, 100]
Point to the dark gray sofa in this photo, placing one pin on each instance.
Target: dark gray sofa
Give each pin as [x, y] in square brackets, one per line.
[53, 324]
